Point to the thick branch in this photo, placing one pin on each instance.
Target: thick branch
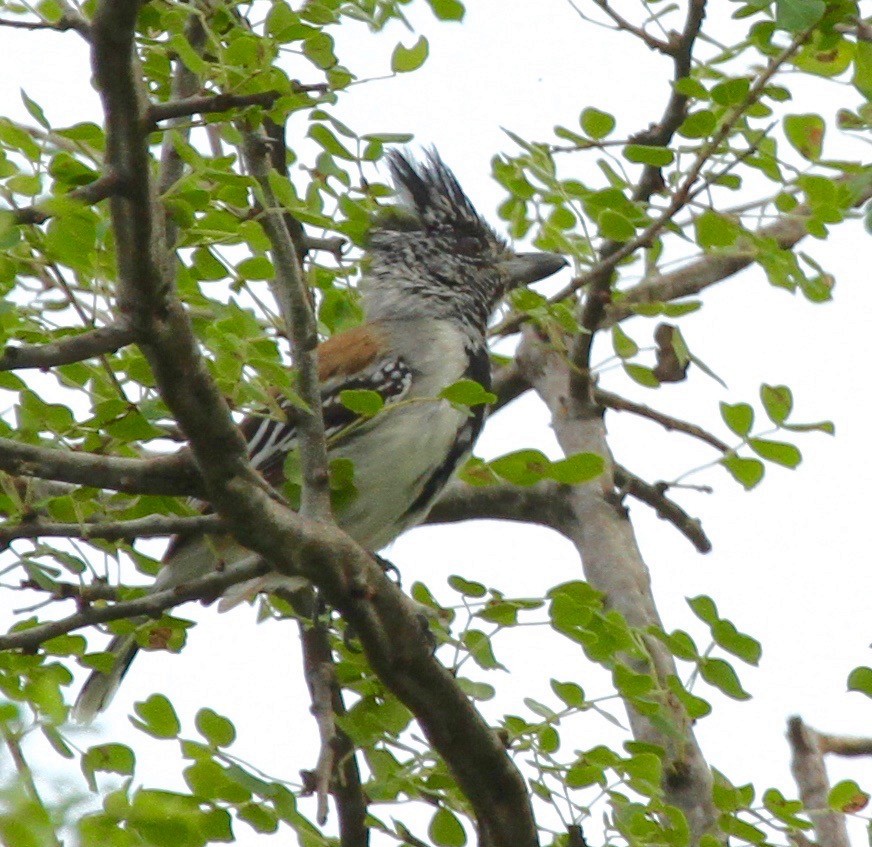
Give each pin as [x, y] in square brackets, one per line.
[173, 475]
[70, 348]
[153, 526]
[844, 745]
[206, 588]
[386, 621]
[613, 565]
[337, 769]
[810, 773]
[543, 504]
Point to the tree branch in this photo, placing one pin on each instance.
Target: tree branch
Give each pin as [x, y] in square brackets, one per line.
[70, 348]
[70, 19]
[544, 503]
[174, 475]
[100, 189]
[655, 497]
[291, 294]
[613, 565]
[810, 773]
[206, 589]
[622, 404]
[208, 104]
[153, 526]
[386, 621]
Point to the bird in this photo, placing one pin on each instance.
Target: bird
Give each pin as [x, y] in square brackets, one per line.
[433, 274]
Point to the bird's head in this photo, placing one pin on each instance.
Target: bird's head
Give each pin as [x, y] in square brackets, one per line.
[435, 255]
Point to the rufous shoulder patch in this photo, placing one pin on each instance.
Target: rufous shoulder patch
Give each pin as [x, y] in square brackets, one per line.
[349, 352]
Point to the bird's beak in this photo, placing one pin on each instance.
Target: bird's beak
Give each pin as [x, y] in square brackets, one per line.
[524, 268]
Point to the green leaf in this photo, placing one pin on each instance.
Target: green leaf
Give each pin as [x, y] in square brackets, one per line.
[256, 267]
[467, 392]
[796, 15]
[847, 796]
[615, 226]
[158, 717]
[577, 469]
[780, 452]
[721, 674]
[748, 472]
[446, 830]
[698, 124]
[362, 401]
[523, 467]
[716, 230]
[406, 59]
[642, 375]
[731, 92]
[860, 679]
[467, 587]
[216, 729]
[481, 650]
[35, 110]
[595, 123]
[259, 817]
[862, 79]
[806, 134]
[447, 10]
[623, 345]
[108, 758]
[570, 693]
[777, 401]
[644, 154]
[739, 417]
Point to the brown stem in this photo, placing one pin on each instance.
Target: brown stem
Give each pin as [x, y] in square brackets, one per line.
[153, 526]
[101, 188]
[208, 104]
[206, 588]
[70, 348]
[622, 404]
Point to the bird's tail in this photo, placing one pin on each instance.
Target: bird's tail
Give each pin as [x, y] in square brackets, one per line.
[186, 559]
[100, 687]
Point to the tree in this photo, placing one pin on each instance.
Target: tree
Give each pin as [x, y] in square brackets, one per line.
[138, 257]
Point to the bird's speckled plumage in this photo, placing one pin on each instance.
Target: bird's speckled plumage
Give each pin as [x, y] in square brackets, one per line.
[433, 274]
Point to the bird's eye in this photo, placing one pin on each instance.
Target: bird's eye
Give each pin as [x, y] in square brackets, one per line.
[468, 246]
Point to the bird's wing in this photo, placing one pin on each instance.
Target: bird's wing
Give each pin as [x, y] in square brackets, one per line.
[353, 360]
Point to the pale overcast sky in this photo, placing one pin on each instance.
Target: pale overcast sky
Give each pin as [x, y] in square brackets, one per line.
[791, 559]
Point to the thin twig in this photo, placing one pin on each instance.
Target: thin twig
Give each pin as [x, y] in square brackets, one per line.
[622, 404]
[655, 497]
[205, 588]
[208, 104]
[153, 526]
[13, 744]
[100, 189]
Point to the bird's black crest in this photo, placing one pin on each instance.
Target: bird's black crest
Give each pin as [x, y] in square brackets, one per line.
[431, 191]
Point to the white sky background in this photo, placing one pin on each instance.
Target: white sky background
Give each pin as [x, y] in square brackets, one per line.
[790, 563]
